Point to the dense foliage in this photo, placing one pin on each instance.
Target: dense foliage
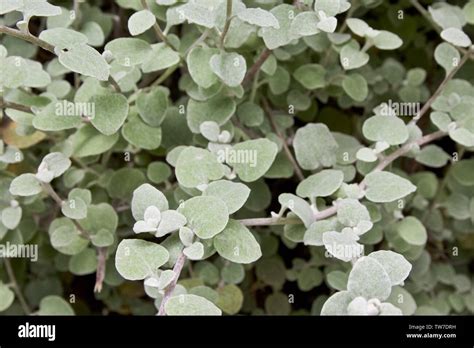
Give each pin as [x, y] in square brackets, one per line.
[237, 157]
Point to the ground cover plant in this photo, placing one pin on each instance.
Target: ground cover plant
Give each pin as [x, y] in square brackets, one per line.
[224, 157]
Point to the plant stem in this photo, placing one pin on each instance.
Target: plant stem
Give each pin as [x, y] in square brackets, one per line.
[287, 150]
[100, 273]
[228, 19]
[403, 150]
[178, 267]
[200, 39]
[435, 25]
[16, 287]
[44, 45]
[256, 66]
[323, 214]
[350, 13]
[59, 201]
[27, 37]
[114, 84]
[10, 105]
[440, 88]
[156, 28]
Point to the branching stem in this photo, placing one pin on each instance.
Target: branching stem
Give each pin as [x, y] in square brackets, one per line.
[16, 287]
[178, 267]
[44, 45]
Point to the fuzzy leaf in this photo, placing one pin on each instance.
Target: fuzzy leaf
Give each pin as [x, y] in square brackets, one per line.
[229, 67]
[218, 109]
[322, 184]
[206, 215]
[199, 67]
[85, 60]
[369, 279]
[237, 244]
[456, 37]
[276, 37]
[190, 305]
[129, 51]
[111, 110]
[251, 159]
[432, 156]
[315, 146]
[390, 129]
[63, 38]
[311, 76]
[298, 206]
[337, 303]
[54, 305]
[352, 58]
[11, 217]
[259, 17]
[396, 266]
[383, 187]
[140, 22]
[412, 231]
[343, 245]
[197, 166]
[233, 194]
[137, 259]
[7, 296]
[356, 87]
[386, 40]
[25, 185]
[447, 56]
[146, 196]
[87, 141]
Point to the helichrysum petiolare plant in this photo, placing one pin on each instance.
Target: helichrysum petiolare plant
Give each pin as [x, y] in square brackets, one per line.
[209, 157]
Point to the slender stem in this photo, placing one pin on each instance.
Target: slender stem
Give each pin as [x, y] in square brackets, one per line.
[350, 13]
[403, 150]
[381, 166]
[44, 45]
[165, 75]
[271, 221]
[100, 273]
[59, 201]
[76, 23]
[228, 19]
[27, 37]
[156, 27]
[114, 84]
[201, 38]
[10, 105]
[16, 287]
[287, 150]
[256, 66]
[435, 25]
[440, 88]
[323, 214]
[178, 267]
[77, 13]
[426, 14]
[253, 92]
